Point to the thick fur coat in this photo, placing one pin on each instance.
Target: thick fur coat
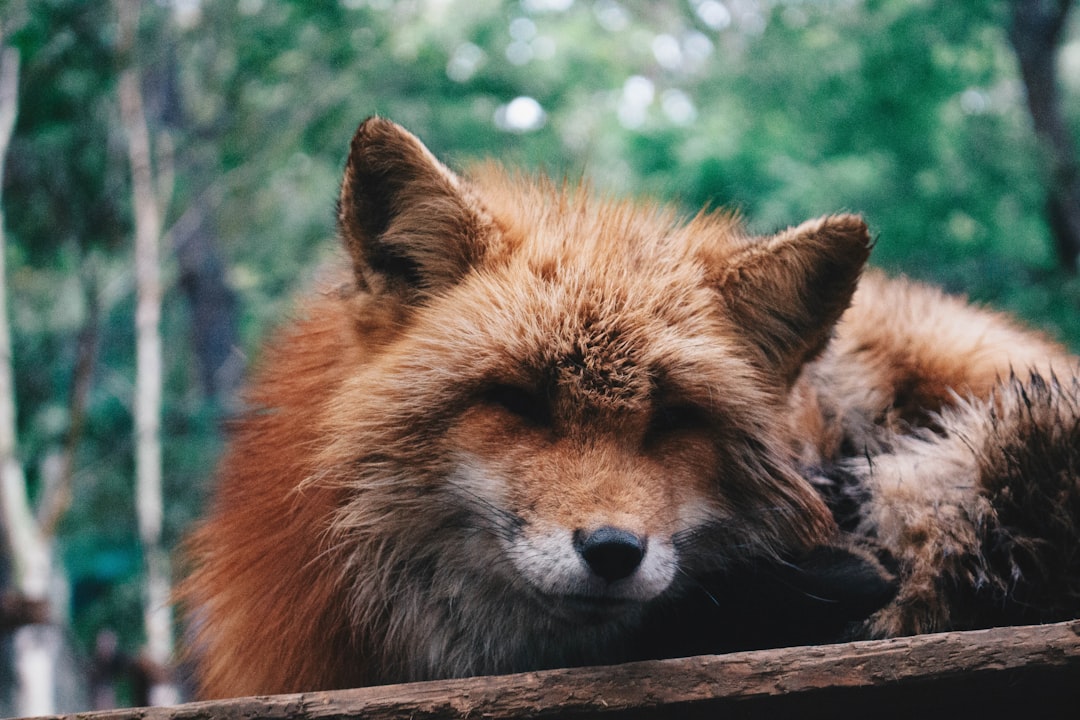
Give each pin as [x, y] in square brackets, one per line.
[528, 423]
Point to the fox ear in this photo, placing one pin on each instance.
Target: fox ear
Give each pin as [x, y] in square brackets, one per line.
[789, 290]
[408, 222]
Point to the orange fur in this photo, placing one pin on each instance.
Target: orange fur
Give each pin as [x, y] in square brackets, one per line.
[449, 458]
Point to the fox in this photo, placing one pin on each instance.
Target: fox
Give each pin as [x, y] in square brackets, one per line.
[526, 426]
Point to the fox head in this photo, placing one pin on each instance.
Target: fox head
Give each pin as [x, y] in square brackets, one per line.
[567, 405]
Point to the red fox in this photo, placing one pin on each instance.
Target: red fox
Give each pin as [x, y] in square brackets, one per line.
[524, 418]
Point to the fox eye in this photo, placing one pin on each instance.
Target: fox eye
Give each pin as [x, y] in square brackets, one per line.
[528, 405]
[669, 419]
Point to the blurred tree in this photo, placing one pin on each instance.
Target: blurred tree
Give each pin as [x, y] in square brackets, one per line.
[29, 548]
[150, 192]
[1036, 31]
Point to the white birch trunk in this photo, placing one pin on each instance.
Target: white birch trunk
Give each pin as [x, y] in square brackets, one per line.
[157, 612]
[36, 646]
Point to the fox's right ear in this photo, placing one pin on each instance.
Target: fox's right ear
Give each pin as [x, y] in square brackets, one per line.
[408, 222]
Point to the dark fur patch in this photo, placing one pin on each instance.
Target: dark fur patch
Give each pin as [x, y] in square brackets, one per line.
[820, 598]
[1030, 471]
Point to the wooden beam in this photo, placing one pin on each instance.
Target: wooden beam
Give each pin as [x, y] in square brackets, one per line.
[1018, 672]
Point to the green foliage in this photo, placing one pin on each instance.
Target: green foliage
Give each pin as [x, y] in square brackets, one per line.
[908, 111]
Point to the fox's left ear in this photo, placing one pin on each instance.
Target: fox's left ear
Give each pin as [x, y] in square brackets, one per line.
[408, 222]
[789, 290]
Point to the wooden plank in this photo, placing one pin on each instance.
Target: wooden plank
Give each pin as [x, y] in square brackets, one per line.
[1031, 671]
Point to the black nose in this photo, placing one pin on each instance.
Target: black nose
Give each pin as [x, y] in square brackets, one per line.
[610, 552]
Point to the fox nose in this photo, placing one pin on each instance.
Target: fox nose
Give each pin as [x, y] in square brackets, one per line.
[611, 553]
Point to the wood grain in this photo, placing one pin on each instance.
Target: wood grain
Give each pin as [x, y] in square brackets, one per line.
[1024, 672]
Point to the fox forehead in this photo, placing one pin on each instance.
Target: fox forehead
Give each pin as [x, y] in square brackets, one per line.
[598, 302]
[569, 230]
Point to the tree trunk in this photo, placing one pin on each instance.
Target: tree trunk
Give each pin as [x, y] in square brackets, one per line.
[157, 612]
[36, 645]
[214, 308]
[201, 273]
[1035, 32]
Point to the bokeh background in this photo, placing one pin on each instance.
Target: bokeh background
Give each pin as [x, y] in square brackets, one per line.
[950, 126]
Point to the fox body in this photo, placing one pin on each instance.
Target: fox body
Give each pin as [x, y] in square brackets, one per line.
[526, 417]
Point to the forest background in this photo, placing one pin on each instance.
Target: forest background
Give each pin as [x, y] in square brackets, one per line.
[950, 126]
